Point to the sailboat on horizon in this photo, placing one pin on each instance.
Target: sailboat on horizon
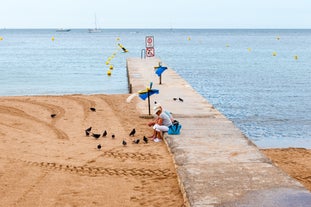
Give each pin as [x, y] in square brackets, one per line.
[95, 30]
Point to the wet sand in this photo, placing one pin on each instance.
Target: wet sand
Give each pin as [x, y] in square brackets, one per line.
[47, 161]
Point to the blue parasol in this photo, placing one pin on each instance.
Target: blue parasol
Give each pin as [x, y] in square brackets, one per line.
[144, 94]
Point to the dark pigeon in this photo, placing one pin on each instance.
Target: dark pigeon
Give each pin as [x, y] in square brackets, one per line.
[133, 132]
[145, 139]
[105, 133]
[96, 136]
[136, 141]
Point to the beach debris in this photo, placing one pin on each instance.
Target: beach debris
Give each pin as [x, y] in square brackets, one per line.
[99, 146]
[53, 115]
[132, 133]
[113, 136]
[180, 99]
[136, 141]
[145, 139]
[96, 136]
[124, 143]
[105, 133]
[87, 131]
[93, 109]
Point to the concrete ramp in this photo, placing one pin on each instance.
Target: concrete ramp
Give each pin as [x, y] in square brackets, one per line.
[216, 164]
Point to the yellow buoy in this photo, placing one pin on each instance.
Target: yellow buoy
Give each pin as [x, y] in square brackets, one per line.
[249, 49]
[278, 38]
[53, 38]
[111, 67]
[107, 62]
[296, 57]
[118, 39]
[189, 38]
[274, 53]
[227, 45]
[109, 72]
[1, 38]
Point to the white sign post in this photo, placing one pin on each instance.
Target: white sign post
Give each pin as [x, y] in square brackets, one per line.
[150, 52]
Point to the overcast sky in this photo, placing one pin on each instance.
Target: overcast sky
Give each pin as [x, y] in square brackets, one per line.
[155, 14]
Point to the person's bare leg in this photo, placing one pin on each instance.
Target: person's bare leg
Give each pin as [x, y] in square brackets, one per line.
[154, 135]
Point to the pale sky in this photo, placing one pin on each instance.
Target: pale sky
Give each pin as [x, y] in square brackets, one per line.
[155, 14]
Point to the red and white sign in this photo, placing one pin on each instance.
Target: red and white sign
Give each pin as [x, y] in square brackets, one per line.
[149, 41]
[150, 52]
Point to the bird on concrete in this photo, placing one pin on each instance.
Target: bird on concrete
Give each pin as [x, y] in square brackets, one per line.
[53, 115]
[87, 131]
[105, 133]
[99, 147]
[92, 109]
[175, 99]
[113, 136]
[124, 143]
[133, 132]
[145, 139]
[136, 141]
[96, 136]
[180, 99]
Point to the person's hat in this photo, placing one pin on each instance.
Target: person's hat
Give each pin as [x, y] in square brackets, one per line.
[156, 109]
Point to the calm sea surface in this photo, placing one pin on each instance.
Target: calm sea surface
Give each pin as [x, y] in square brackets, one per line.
[267, 96]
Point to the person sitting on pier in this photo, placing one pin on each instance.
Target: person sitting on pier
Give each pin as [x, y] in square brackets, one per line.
[160, 124]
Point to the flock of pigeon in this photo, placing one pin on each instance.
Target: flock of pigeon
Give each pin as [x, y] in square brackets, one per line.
[124, 143]
[105, 133]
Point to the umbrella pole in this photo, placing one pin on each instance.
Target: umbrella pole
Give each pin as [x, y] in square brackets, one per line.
[149, 103]
[160, 79]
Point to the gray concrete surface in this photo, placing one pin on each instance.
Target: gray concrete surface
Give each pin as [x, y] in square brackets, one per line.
[216, 164]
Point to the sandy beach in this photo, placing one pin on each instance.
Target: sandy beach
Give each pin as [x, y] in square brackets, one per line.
[49, 161]
[294, 161]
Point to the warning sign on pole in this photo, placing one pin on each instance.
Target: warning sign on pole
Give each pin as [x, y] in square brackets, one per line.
[150, 52]
[149, 41]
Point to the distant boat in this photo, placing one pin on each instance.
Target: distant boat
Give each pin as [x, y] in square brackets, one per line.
[95, 30]
[63, 30]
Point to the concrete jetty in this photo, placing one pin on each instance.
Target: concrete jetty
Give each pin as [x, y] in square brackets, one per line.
[216, 164]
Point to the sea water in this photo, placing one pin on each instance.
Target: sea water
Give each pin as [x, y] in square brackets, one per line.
[259, 79]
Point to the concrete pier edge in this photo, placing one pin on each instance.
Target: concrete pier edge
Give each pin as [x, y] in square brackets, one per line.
[216, 164]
